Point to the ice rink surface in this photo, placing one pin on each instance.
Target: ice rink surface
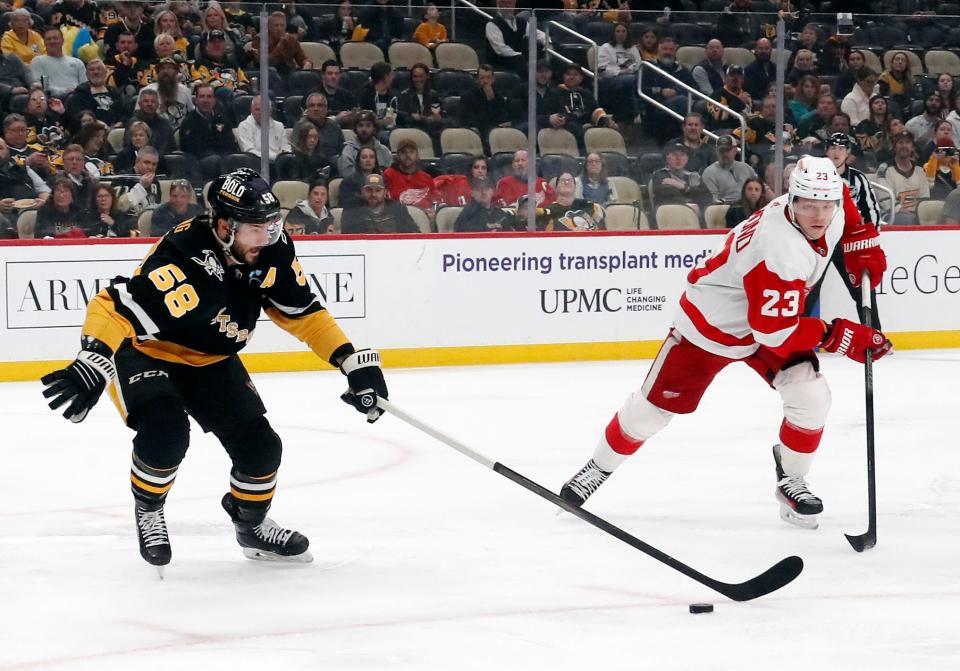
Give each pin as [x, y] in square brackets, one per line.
[425, 560]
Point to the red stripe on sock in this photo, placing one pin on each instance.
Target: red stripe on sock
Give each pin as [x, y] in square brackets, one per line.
[799, 439]
[618, 441]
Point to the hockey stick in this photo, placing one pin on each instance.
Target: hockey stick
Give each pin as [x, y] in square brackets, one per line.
[770, 580]
[867, 540]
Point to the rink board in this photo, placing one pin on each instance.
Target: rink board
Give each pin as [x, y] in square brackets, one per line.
[462, 299]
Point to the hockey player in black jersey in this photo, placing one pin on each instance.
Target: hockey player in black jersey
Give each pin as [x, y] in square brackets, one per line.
[164, 344]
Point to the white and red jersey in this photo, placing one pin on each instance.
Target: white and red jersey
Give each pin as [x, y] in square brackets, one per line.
[751, 291]
[411, 188]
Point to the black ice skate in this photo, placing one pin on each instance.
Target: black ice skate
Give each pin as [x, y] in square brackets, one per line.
[153, 536]
[587, 480]
[798, 505]
[263, 539]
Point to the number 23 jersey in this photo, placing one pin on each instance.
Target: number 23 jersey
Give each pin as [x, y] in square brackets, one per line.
[751, 291]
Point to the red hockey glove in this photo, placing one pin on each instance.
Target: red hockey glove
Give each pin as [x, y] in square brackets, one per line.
[854, 340]
[862, 252]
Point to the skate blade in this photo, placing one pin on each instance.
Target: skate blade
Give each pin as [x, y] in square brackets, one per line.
[160, 571]
[790, 516]
[261, 555]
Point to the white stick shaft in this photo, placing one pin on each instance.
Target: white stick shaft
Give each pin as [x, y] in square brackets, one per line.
[403, 415]
[865, 296]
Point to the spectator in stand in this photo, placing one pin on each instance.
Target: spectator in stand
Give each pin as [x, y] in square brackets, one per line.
[215, 19]
[857, 103]
[18, 183]
[947, 90]
[60, 75]
[431, 32]
[954, 118]
[618, 62]
[174, 101]
[93, 138]
[15, 78]
[942, 137]
[377, 95]
[484, 107]
[567, 212]
[214, 68]
[43, 121]
[309, 161]
[364, 137]
[649, 44]
[419, 106]
[137, 137]
[176, 210]
[161, 133]
[106, 218]
[573, 107]
[869, 132]
[848, 78]
[61, 216]
[165, 22]
[752, 199]
[513, 186]
[821, 118]
[310, 216]
[283, 49]
[725, 178]
[378, 214]
[15, 132]
[385, 24]
[808, 40]
[131, 21]
[700, 151]
[95, 94]
[507, 40]
[340, 101]
[805, 96]
[896, 84]
[21, 40]
[145, 191]
[804, 64]
[665, 91]
[833, 60]
[248, 133]
[206, 133]
[942, 170]
[593, 183]
[407, 183]
[893, 128]
[455, 189]
[738, 23]
[339, 29]
[75, 170]
[315, 110]
[762, 133]
[709, 73]
[300, 21]
[123, 67]
[923, 126]
[481, 216]
[674, 184]
[733, 96]
[759, 75]
[351, 188]
[950, 215]
[906, 179]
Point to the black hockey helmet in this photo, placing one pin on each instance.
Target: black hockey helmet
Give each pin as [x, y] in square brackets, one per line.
[244, 197]
[839, 139]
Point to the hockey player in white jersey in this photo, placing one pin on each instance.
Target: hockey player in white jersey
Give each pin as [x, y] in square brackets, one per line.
[745, 303]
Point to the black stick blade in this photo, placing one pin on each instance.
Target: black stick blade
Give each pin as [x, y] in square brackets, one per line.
[775, 577]
[863, 541]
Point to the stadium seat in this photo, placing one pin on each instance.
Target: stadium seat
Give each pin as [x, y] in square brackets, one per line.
[886, 35]
[676, 218]
[143, 223]
[354, 80]
[551, 165]
[450, 105]
[457, 56]
[716, 216]
[407, 54]
[318, 52]
[292, 110]
[288, 192]
[628, 191]
[401, 81]
[508, 83]
[872, 61]
[337, 214]
[348, 134]
[622, 217]
[557, 141]
[648, 164]
[598, 31]
[183, 166]
[360, 55]
[928, 212]
[115, 138]
[738, 56]
[688, 33]
[452, 82]
[333, 192]
[575, 51]
[240, 108]
[420, 218]
[602, 140]
[302, 82]
[615, 163]
[461, 141]
[503, 140]
[27, 224]
[916, 65]
[456, 163]
[690, 56]
[592, 59]
[18, 103]
[938, 61]
[424, 143]
[165, 191]
[446, 218]
[233, 162]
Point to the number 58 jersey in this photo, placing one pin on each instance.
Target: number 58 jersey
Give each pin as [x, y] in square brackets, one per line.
[751, 291]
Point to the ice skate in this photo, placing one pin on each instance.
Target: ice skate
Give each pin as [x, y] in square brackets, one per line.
[798, 506]
[152, 535]
[265, 540]
[587, 480]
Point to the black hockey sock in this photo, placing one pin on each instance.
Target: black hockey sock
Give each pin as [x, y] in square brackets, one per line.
[150, 485]
[252, 495]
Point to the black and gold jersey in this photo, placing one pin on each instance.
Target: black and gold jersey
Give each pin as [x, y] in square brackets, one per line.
[186, 304]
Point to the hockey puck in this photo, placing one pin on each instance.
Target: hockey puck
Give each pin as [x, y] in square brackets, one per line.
[697, 608]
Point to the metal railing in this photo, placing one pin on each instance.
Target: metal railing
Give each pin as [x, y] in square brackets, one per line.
[596, 53]
[893, 200]
[690, 90]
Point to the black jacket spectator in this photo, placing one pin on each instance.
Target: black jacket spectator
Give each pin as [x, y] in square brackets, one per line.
[385, 24]
[393, 218]
[66, 13]
[478, 111]
[161, 133]
[13, 74]
[108, 107]
[143, 34]
[758, 76]
[203, 136]
[53, 222]
[475, 218]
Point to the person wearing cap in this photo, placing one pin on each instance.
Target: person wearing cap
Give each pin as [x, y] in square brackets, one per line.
[732, 96]
[571, 106]
[175, 99]
[481, 215]
[485, 107]
[673, 184]
[378, 214]
[364, 136]
[248, 133]
[407, 183]
[856, 104]
[725, 177]
[943, 172]
[214, 69]
[709, 73]
[906, 179]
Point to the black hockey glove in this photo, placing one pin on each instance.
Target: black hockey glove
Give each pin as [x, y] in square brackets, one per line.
[82, 382]
[366, 382]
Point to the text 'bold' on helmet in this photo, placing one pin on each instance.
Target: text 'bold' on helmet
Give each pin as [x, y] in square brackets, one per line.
[243, 196]
[816, 178]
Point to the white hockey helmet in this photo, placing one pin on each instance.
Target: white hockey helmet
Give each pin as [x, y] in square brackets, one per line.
[815, 178]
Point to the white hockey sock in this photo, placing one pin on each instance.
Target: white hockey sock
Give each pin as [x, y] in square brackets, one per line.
[795, 463]
[606, 458]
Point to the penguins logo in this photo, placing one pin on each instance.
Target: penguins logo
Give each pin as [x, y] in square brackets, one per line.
[210, 264]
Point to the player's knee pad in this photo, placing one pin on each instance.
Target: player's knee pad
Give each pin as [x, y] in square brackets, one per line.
[640, 419]
[163, 432]
[254, 446]
[805, 395]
